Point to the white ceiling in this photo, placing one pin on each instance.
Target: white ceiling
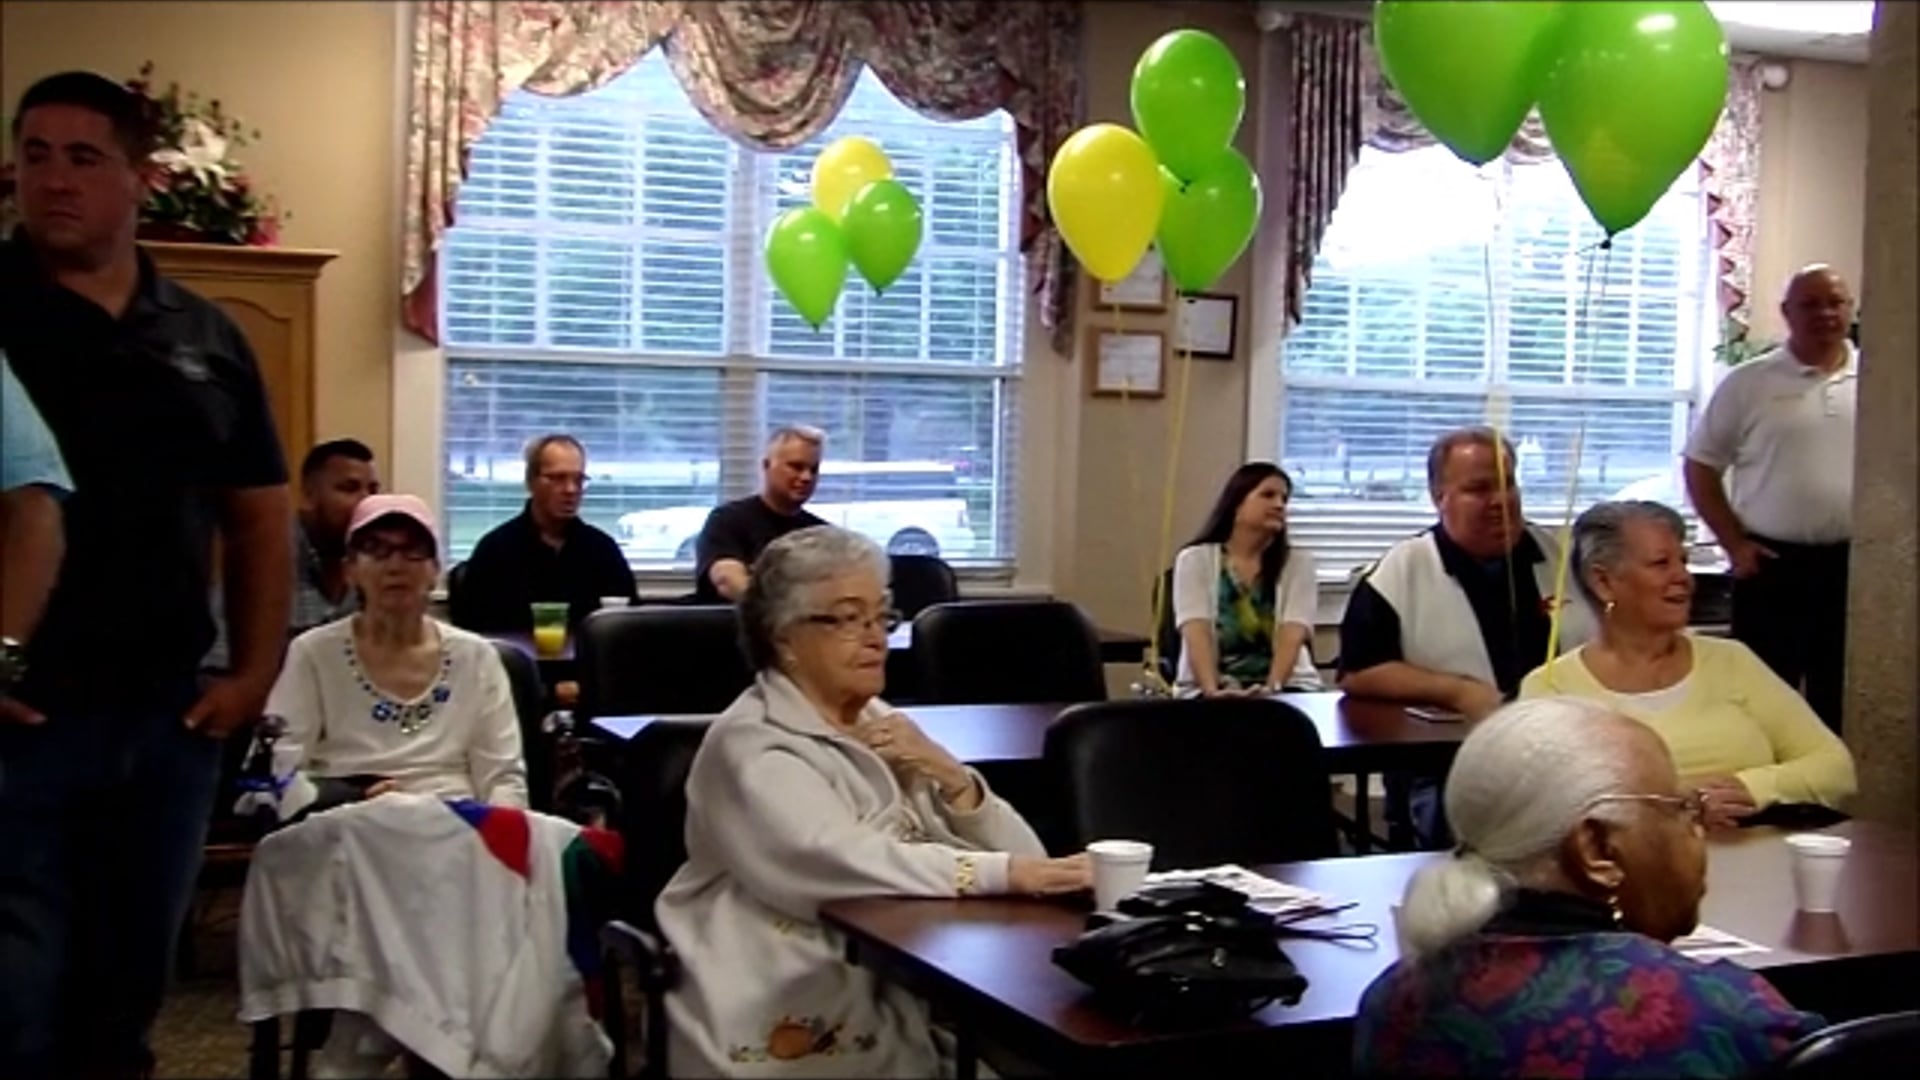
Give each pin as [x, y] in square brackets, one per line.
[1834, 30]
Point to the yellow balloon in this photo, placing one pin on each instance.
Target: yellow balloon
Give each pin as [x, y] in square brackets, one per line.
[843, 168]
[1105, 192]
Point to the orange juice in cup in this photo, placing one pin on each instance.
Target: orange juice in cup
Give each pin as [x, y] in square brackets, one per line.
[549, 629]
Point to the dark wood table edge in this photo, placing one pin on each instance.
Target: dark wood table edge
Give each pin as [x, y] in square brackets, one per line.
[984, 1024]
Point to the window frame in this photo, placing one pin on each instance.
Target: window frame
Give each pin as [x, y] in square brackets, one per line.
[1694, 375]
[747, 360]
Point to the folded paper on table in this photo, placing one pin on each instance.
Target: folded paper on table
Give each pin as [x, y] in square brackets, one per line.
[1706, 943]
[1264, 893]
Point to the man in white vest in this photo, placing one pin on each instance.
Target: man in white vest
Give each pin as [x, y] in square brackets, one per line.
[1454, 617]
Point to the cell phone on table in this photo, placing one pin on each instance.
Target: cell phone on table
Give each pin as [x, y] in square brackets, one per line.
[1433, 714]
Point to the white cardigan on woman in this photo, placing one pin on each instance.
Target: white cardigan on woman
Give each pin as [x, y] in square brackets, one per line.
[1196, 598]
[784, 814]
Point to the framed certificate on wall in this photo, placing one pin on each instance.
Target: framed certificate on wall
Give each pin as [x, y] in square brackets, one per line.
[1143, 290]
[1128, 364]
[1203, 325]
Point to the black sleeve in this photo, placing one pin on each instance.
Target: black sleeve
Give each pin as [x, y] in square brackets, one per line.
[1369, 631]
[253, 457]
[488, 601]
[722, 537]
[615, 574]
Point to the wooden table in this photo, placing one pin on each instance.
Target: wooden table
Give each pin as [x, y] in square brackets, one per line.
[987, 962]
[1359, 738]
[1116, 647]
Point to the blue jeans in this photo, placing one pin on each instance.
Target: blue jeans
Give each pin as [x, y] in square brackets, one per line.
[103, 815]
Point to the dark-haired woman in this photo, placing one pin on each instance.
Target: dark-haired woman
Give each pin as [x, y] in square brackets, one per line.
[1243, 598]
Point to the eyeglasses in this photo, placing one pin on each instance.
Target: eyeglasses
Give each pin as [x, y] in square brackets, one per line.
[565, 479]
[851, 626]
[1693, 804]
[383, 552]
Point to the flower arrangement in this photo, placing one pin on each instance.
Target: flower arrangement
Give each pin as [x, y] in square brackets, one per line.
[1736, 345]
[198, 191]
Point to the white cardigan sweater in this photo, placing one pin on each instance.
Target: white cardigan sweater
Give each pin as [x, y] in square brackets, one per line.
[784, 814]
[1196, 581]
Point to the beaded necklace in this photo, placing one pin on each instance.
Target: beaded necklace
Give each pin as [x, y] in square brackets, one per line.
[412, 716]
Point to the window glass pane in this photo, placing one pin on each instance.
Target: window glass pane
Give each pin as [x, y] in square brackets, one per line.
[603, 278]
[652, 439]
[911, 460]
[1445, 296]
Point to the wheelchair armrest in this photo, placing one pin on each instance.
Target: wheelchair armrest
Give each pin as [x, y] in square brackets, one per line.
[653, 960]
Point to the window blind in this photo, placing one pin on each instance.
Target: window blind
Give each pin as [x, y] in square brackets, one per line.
[1446, 296]
[603, 277]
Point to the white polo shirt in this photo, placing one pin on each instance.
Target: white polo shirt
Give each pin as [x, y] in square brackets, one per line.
[1786, 431]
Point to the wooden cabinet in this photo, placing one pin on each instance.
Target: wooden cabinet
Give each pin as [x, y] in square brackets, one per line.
[270, 293]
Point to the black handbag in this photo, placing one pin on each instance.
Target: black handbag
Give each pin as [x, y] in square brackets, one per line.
[1185, 966]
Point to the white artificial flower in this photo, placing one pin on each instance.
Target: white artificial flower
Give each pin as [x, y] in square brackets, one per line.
[202, 152]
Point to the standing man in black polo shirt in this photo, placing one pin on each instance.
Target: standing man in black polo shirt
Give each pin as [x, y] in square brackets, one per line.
[1454, 617]
[737, 532]
[160, 413]
[545, 554]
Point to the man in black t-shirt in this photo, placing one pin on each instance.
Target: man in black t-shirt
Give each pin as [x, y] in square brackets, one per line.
[160, 413]
[545, 554]
[736, 532]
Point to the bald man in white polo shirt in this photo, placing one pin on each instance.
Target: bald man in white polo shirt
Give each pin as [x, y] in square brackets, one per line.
[1783, 422]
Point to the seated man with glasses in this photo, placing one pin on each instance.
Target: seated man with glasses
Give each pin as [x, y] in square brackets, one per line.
[546, 554]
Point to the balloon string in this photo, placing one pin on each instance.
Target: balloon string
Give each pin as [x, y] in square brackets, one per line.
[1160, 598]
[1582, 365]
[1135, 498]
[1500, 464]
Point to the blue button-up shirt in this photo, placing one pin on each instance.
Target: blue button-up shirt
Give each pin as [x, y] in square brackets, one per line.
[28, 452]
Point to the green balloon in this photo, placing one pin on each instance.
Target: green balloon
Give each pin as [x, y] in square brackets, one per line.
[1468, 69]
[1188, 96]
[807, 260]
[1208, 223]
[882, 224]
[1630, 99]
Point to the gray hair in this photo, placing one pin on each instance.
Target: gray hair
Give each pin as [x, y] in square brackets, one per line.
[1522, 781]
[812, 436]
[776, 596]
[1444, 446]
[1599, 536]
[537, 448]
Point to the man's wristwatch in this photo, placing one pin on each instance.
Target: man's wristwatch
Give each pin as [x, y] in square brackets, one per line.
[13, 663]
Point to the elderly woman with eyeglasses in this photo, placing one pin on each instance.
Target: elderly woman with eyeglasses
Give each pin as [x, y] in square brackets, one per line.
[1540, 947]
[390, 698]
[1742, 738]
[811, 789]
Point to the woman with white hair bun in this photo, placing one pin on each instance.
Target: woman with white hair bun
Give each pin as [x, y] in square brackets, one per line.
[1540, 947]
[811, 789]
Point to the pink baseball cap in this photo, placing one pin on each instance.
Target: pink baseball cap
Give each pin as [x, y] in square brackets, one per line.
[374, 508]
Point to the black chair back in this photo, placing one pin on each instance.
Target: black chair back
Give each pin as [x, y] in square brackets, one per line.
[653, 816]
[1871, 1046]
[921, 581]
[456, 576]
[530, 704]
[659, 659]
[1204, 781]
[1013, 651]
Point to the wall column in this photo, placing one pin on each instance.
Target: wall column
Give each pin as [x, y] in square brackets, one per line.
[1883, 622]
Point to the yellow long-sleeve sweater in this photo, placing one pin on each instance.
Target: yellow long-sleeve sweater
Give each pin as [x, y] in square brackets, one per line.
[1734, 717]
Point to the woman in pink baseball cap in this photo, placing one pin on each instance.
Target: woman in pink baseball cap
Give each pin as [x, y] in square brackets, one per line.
[390, 698]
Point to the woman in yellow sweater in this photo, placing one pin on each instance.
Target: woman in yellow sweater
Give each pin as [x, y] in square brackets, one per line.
[1739, 735]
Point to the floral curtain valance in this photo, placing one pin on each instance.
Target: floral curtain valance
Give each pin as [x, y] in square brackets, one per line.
[768, 73]
[1342, 101]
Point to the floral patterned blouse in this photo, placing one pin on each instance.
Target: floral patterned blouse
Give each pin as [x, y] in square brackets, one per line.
[1550, 988]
